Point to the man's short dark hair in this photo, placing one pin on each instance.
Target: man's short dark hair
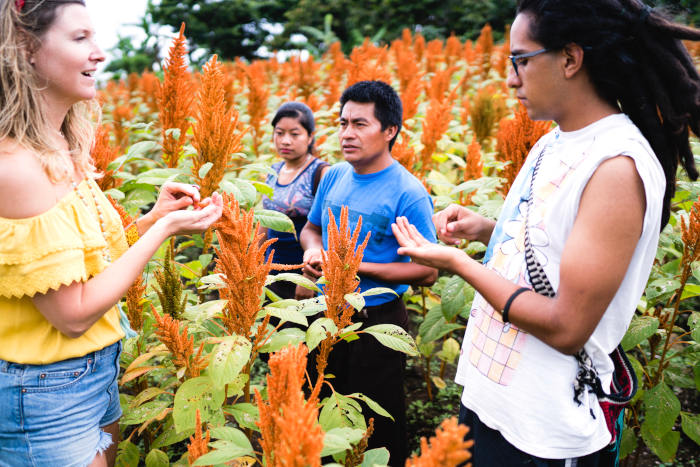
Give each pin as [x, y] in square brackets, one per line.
[387, 104]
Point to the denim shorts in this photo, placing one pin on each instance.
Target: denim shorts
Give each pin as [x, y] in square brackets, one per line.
[50, 415]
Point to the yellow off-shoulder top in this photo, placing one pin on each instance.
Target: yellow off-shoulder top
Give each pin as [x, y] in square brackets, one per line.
[58, 247]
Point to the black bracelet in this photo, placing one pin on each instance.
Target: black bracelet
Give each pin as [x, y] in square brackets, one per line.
[506, 308]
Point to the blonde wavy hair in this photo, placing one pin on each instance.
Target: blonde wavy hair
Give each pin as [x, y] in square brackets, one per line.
[22, 118]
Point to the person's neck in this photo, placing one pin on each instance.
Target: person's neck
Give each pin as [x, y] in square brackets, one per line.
[296, 164]
[376, 164]
[55, 115]
[582, 109]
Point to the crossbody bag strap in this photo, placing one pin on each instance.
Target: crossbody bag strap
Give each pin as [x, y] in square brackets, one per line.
[587, 376]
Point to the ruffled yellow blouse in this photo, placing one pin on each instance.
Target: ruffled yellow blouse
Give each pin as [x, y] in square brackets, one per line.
[58, 247]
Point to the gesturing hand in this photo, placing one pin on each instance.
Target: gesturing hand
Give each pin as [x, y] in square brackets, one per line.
[174, 197]
[422, 251]
[312, 263]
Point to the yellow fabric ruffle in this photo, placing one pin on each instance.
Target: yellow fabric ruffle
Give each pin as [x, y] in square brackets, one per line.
[58, 247]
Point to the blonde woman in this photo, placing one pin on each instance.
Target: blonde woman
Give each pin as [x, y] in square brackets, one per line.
[64, 258]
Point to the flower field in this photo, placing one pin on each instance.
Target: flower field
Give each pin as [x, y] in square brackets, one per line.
[195, 388]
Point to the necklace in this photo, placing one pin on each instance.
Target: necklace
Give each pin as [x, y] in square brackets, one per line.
[294, 171]
[100, 216]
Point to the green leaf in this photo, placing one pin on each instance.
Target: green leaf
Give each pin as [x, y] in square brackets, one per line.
[378, 409]
[145, 395]
[232, 443]
[141, 149]
[628, 443]
[286, 313]
[204, 170]
[378, 291]
[115, 193]
[690, 423]
[275, 220]
[246, 414]
[139, 197]
[228, 359]
[690, 290]
[317, 332]
[664, 446]
[170, 435]
[454, 297]
[157, 458]
[198, 393]
[374, 457]
[143, 412]
[662, 408]
[297, 279]
[394, 337]
[350, 331]
[694, 325]
[341, 411]
[434, 325]
[283, 338]
[158, 176]
[355, 300]
[450, 350]
[640, 329]
[339, 440]
[128, 454]
[264, 188]
[205, 311]
[212, 281]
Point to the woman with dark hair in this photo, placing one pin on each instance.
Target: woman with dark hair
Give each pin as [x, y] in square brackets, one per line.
[571, 251]
[294, 185]
[65, 260]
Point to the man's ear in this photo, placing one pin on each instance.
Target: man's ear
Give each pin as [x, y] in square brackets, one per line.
[573, 59]
[390, 132]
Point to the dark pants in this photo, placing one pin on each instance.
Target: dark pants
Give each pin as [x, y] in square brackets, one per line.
[367, 367]
[491, 449]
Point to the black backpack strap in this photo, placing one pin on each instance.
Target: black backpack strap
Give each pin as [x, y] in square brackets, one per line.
[317, 176]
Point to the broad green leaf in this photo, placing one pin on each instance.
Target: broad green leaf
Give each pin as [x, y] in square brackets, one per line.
[264, 188]
[628, 443]
[297, 279]
[450, 350]
[378, 291]
[212, 281]
[139, 197]
[115, 193]
[438, 382]
[394, 337]
[664, 446]
[434, 325]
[283, 338]
[228, 359]
[128, 454]
[454, 297]
[158, 176]
[204, 169]
[350, 331]
[317, 332]
[141, 149]
[355, 300]
[191, 269]
[341, 411]
[339, 440]
[289, 314]
[694, 325]
[274, 220]
[170, 435]
[143, 412]
[145, 395]
[205, 311]
[157, 458]
[690, 423]
[232, 443]
[662, 408]
[256, 167]
[245, 413]
[198, 393]
[696, 374]
[640, 329]
[378, 409]
[690, 290]
[234, 435]
[375, 457]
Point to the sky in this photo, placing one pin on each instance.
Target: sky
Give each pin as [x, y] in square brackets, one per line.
[112, 18]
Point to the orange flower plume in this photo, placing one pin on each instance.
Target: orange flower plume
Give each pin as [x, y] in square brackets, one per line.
[258, 94]
[515, 138]
[487, 108]
[473, 170]
[446, 449]
[690, 234]
[199, 443]
[179, 344]
[291, 435]
[216, 137]
[102, 155]
[175, 99]
[484, 50]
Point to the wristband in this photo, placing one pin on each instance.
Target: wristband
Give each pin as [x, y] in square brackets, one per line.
[506, 308]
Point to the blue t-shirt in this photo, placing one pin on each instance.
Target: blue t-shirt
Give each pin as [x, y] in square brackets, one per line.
[379, 198]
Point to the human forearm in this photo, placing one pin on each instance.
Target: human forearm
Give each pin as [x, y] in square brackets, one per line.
[400, 273]
[75, 308]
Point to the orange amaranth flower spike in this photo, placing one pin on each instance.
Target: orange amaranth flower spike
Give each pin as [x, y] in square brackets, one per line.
[446, 449]
[198, 445]
[291, 435]
[180, 345]
[102, 155]
[175, 99]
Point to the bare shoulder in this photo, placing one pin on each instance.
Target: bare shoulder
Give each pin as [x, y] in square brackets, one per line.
[617, 178]
[25, 189]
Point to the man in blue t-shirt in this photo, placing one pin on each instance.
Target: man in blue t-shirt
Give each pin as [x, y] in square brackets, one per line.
[375, 186]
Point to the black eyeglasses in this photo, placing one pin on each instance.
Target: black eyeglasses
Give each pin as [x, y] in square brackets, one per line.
[521, 58]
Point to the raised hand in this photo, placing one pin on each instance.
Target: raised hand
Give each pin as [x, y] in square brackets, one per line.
[422, 251]
[197, 220]
[456, 222]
